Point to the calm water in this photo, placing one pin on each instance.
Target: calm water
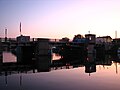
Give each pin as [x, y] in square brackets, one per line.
[8, 57]
[99, 75]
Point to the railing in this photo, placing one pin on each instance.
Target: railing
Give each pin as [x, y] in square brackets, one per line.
[31, 39]
[54, 40]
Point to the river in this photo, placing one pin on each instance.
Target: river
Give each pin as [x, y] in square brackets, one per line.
[101, 74]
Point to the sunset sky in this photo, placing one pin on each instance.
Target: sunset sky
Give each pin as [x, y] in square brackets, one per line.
[60, 18]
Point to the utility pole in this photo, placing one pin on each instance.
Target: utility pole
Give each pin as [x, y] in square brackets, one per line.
[5, 35]
[20, 29]
[89, 32]
[115, 34]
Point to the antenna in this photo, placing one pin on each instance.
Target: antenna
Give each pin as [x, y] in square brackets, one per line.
[6, 80]
[116, 68]
[89, 29]
[5, 34]
[115, 34]
[20, 79]
[89, 32]
[20, 29]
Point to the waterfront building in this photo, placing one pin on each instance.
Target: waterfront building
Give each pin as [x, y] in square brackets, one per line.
[23, 39]
[64, 39]
[116, 40]
[103, 39]
[116, 45]
[79, 39]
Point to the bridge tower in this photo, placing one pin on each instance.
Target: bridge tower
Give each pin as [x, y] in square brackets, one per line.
[42, 47]
[42, 54]
[91, 44]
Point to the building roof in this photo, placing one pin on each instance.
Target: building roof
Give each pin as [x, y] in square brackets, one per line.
[90, 35]
[116, 39]
[105, 37]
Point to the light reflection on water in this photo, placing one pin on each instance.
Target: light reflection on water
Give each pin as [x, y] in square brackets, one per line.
[55, 56]
[104, 75]
[72, 79]
[8, 57]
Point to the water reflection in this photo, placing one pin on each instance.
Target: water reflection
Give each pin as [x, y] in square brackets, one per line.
[64, 73]
[55, 56]
[48, 63]
[90, 64]
[43, 63]
[8, 57]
